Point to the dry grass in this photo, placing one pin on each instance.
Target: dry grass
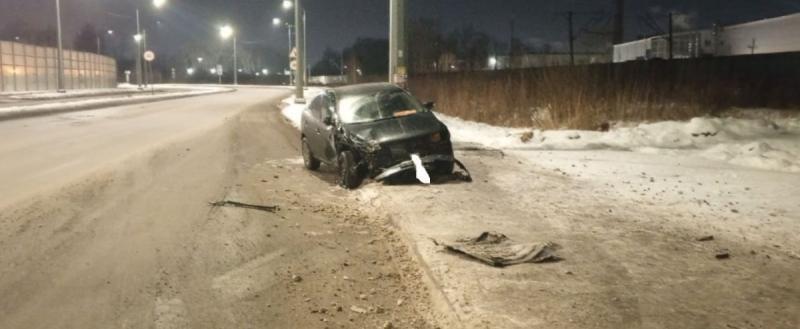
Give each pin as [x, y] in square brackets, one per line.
[586, 97]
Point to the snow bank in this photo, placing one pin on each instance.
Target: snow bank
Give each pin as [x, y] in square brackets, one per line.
[757, 143]
[66, 105]
[294, 112]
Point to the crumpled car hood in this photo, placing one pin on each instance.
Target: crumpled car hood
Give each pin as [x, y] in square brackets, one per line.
[390, 130]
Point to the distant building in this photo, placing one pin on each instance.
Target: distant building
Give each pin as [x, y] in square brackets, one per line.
[774, 35]
[545, 60]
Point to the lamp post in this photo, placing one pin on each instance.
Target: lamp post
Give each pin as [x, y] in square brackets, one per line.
[60, 83]
[301, 56]
[226, 32]
[277, 22]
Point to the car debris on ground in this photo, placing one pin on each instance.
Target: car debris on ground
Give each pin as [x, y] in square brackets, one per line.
[228, 203]
[498, 250]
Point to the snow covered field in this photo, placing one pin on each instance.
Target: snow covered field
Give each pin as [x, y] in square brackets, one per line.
[758, 143]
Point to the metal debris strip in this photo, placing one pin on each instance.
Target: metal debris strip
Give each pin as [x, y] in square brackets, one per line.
[498, 250]
[228, 203]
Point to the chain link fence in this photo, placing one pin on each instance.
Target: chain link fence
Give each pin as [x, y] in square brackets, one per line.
[27, 68]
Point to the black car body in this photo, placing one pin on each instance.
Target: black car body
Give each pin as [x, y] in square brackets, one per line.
[371, 130]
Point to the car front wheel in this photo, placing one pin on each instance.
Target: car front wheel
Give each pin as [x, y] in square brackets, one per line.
[349, 176]
[310, 162]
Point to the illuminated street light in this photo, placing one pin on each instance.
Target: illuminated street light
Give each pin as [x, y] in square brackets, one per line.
[287, 4]
[265, 72]
[226, 32]
[190, 71]
[110, 32]
[276, 21]
[137, 38]
[199, 59]
[159, 3]
[213, 71]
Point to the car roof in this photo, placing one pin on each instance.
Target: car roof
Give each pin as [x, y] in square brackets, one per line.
[364, 89]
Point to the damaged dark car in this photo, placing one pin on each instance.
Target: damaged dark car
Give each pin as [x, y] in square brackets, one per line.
[374, 131]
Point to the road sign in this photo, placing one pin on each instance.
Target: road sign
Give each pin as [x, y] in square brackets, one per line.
[293, 65]
[149, 55]
[219, 69]
[293, 54]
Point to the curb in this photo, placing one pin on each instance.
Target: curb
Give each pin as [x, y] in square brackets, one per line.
[5, 116]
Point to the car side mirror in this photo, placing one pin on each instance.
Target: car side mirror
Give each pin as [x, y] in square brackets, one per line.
[429, 105]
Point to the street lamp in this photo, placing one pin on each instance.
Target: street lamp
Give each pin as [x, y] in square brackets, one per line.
[159, 3]
[137, 38]
[110, 32]
[226, 32]
[276, 21]
[287, 4]
[199, 59]
[190, 71]
[60, 49]
[493, 62]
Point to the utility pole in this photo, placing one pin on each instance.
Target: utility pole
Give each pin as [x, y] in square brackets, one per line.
[301, 54]
[138, 51]
[571, 40]
[619, 22]
[144, 45]
[305, 51]
[397, 41]
[671, 45]
[235, 67]
[60, 48]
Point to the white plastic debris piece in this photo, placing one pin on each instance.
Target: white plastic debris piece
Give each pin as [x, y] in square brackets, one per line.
[422, 174]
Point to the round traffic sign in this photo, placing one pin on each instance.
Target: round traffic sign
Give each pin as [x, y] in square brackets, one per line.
[149, 55]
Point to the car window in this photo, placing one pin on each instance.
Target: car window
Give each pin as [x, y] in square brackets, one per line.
[378, 106]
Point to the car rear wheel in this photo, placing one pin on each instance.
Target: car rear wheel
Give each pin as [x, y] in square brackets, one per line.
[309, 160]
[349, 176]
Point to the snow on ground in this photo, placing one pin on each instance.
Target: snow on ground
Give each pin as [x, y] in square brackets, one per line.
[294, 112]
[757, 143]
[768, 144]
[66, 105]
[74, 93]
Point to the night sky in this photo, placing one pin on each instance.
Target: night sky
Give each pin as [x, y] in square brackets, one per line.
[337, 23]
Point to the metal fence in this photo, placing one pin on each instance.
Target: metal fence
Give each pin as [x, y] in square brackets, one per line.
[27, 67]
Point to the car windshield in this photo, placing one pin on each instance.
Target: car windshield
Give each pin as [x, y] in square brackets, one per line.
[378, 106]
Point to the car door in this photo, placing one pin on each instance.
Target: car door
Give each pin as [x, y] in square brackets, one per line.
[328, 130]
[311, 125]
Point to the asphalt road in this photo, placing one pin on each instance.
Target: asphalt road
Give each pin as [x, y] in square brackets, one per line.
[45, 152]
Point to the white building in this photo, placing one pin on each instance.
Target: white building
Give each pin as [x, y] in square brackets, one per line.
[774, 35]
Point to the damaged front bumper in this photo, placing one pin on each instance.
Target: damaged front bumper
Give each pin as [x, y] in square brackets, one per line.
[409, 165]
[428, 161]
